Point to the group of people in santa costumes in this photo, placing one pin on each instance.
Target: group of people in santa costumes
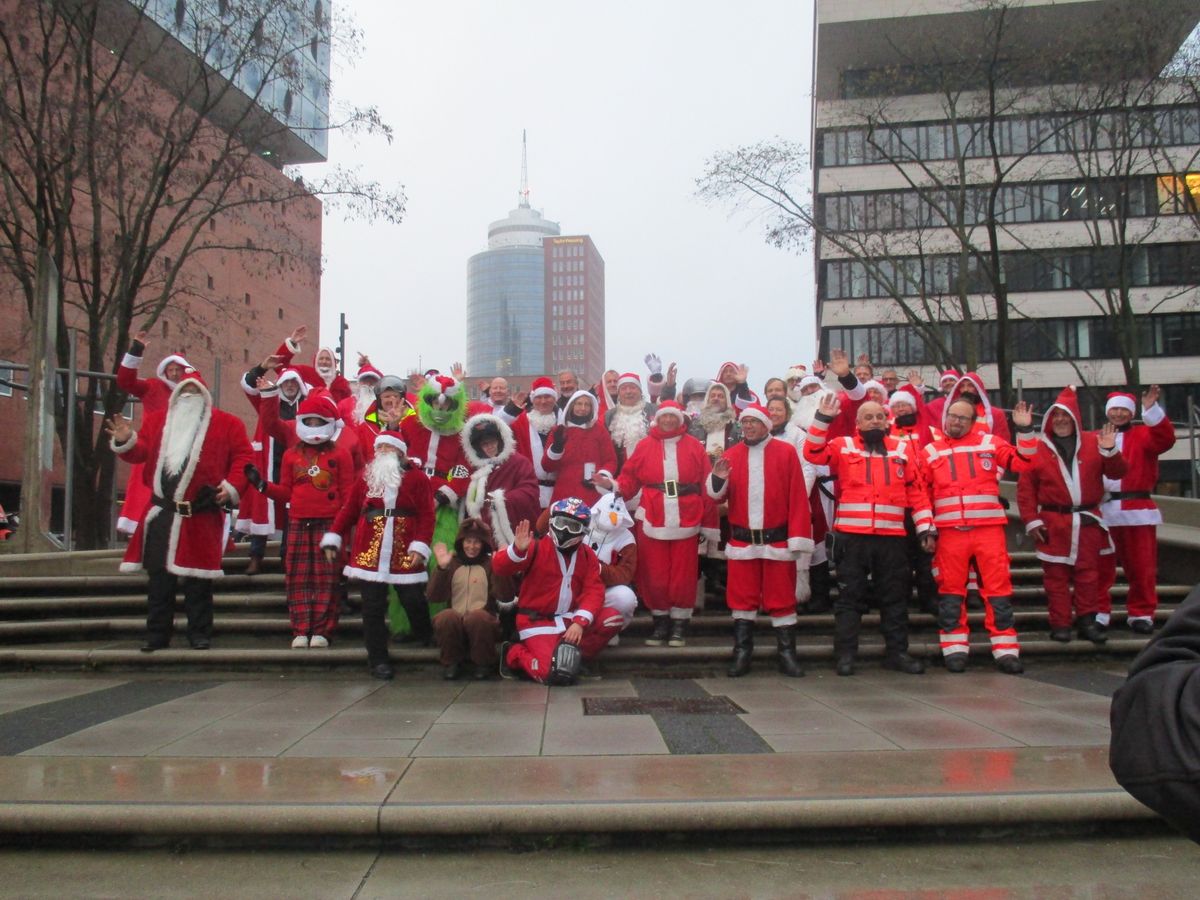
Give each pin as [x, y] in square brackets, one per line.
[588, 501]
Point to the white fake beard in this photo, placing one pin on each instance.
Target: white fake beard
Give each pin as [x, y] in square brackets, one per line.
[364, 396]
[327, 373]
[383, 473]
[628, 426]
[182, 423]
[712, 419]
[543, 423]
[806, 409]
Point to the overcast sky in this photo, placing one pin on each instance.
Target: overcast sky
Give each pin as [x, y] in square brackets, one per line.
[623, 102]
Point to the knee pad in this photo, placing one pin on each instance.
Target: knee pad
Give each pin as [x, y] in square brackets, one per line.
[949, 609]
[1002, 612]
[565, 664]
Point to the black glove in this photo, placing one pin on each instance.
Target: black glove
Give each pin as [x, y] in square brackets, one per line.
[560, 438]
[254, 477]
[137, 348]
[441, 499]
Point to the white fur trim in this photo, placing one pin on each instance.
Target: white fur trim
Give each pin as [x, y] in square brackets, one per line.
[508, 444]
[670, 466]
[419, 547]
[756, 485]
[268, 392]
[667, 533]
[127, 446]
[248, 389]
[1036, 523]
[126, 525]
[385, 577]
[715, 494]
[292, 346]
[186, 572]
[391, 439]
[750, 413]
[501, 527]
[511, 552]
[1107, 452]
[543, 392]
[1126, 403]
[857, 392]
[564, 412]
[800, 545]
[759, 551]
[555, 454]
[331, 539]
[1154, 415]
[128, 568]
[448, 492]
[129, 361]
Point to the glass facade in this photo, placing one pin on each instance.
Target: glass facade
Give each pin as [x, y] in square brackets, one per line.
[506, 311]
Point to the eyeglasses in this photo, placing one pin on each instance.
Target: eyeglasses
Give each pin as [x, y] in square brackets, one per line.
[953, 418]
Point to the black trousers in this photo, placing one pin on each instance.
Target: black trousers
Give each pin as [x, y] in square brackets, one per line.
[160, 607]
[374, 614]
[866, 561]
[921, 566]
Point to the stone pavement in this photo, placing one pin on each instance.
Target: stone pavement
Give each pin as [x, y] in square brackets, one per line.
[348, 756]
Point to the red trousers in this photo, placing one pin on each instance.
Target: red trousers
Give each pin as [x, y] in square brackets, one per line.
[533, 654]
[667, 573]
[311, 580]
[1079, 583]
[1137, 552]
[762, 584]
[987, 547]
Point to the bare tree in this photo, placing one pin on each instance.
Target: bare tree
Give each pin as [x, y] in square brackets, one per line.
[123, 141]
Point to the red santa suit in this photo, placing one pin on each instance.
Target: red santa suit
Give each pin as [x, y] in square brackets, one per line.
[441, 456]
[258, 513]
[154, 394]
[316, 479]
[333, 381]
[988, 418]
[667, 473]
[769, 525]
[587, 451]
[1064, 496]
[503, 490]
[557, 590]
[963, 475]
[1130, 513]
[219, 454]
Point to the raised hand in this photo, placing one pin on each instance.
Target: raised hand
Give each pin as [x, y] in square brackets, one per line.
[818, 368]
[830, 405]
[441, 554]
[298, 334]
[1150, 396]
[363, 360]
[653, 363]
[1023, 415]
[522, 536]
[273, 361]
[264, 384]
[518, 398]
[839, 363]
[140, 337]
[458, 371]
[914, 378]
[118, 428]
[720, 468]
[672, 370]
[863, 360]
[602, 481]
[1108, 436]
[743, 374]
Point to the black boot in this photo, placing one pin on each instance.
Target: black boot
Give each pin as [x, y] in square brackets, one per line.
[789, 665]
[902, 662]
[819, 583]
[678, 633]
[1091, 630]
[662, 631]
[743, 647]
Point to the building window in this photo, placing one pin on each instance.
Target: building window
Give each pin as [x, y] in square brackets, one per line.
[210, 282]
[247, 299]
[165, 328]
[7, 377]
[281, 313]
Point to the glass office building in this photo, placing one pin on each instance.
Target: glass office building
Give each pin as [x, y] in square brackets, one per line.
[506, 297]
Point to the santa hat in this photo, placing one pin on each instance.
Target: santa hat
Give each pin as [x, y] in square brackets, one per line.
[873, 385]
[757, 411]
[810, 381]
[629, 378]
[948, 375]
[319, 404]
[543, 387]
[905, 396]
[369, 371]
[431, 373]
[726, 365]
[668, 408]
[1121, 400]
[161, 371]
[391, 439]
[796, 372]
[191, 374]
[291, 374]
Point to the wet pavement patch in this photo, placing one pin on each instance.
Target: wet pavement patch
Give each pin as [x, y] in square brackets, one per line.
[695, 732]
[1103, 684]
[633, 706]
[24, 729]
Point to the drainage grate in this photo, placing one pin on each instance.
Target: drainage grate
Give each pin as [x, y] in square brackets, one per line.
[636, 706]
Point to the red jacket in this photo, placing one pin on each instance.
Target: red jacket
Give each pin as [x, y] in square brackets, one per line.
[384, 545]
[153, 392]
[532, 445]
[314, 495]
[963, 475]
[285, 429]
[873, 490]
[587, 452]
[660, 467]
[765, 492]
[1074, 491]
[441, 455]
[218, 458]
[543, 606]
[1141, 445]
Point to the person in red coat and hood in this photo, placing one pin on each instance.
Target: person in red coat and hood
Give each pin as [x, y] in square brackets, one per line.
[1059, 499]
[194, 460]
[987, 417]
[1128, 509]
[503, 491]
[579, 450]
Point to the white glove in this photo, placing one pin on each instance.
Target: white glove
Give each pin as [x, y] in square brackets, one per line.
[654, 364]
[803, 588]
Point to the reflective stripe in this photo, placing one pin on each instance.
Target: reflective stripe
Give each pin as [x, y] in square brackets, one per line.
[855, 507]
[982, 513]
[889, 510]
[921, 515]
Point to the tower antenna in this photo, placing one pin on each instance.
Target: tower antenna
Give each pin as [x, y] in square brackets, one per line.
[524, 192]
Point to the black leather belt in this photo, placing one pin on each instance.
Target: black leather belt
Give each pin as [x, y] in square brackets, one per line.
[675, 488]
[390, 512]
[547, 482]
[537, 615]
[1129, 495]
[185, 509]
[759, 535]
[1067, 510]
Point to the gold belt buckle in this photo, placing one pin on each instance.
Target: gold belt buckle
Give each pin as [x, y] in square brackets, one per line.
[184, 508]
[671, 488]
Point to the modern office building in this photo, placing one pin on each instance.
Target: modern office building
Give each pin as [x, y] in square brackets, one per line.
[874, 165]
[574, 274]
[506, 297]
